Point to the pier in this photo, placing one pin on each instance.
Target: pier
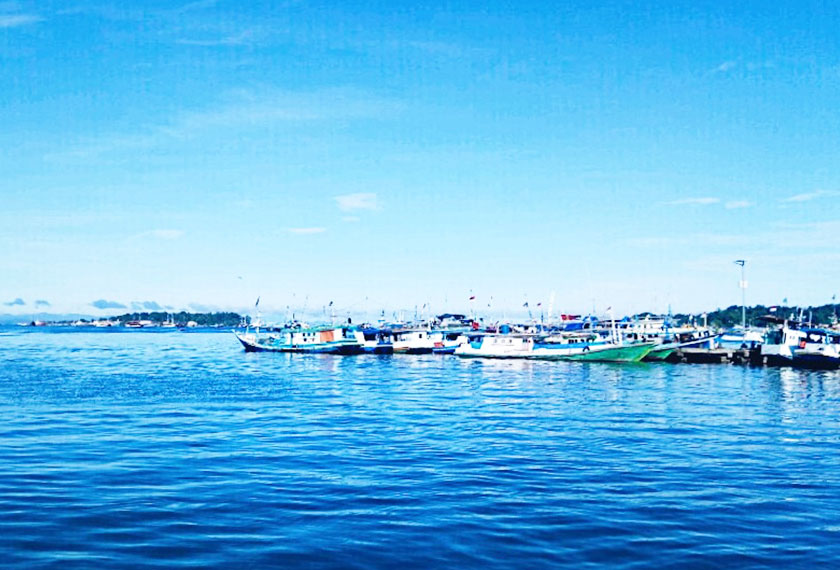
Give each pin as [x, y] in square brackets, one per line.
[713, 356]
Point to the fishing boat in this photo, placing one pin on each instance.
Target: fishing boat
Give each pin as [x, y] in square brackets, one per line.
[818, 350]
[741, 338]
[589, 346]
[413, 341]
[325, 340]
[445, 342]
[496, 345]
[699, 339]
[780, 344]
[375, 340]
[634, 352]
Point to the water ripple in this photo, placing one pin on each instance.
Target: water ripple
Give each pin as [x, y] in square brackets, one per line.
[180, 450]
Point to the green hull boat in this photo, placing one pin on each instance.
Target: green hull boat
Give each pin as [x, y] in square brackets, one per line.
[622, 353]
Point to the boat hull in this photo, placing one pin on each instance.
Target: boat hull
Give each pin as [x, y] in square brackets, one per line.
[380, 349]
[660, 354]
[814, 361]
[625, 353]
[413, 350]
[253, 344]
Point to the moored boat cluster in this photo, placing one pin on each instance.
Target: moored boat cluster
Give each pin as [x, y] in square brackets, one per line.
[628, 340]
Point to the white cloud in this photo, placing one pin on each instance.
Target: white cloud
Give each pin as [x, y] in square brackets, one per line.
[735, 204]
[808, 196]
[15, 20]
[306, 231]
[238, 39]
[725, 66]
[701, 201]
[358, 201]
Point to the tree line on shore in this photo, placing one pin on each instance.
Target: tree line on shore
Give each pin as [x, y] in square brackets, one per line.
[731, 316]
[719, 318]
[224, 319]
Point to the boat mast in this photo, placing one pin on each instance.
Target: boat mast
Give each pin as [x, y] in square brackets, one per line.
[743, 286]
[257, 311]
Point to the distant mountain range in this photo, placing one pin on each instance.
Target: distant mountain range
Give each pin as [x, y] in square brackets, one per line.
[202, 319]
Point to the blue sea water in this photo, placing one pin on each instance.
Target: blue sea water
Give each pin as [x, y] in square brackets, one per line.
[179, 450]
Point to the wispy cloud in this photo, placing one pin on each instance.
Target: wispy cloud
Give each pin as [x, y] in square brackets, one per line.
[808, 196]
[306, 231]
[146, 306]
[16, 20]
[203, 308]
[700, 201]
[104, 304]
[248, 109]
[16, 303]
[12, 15]
[775, 237]
[241, 110]
[725, 66]
[245, 37]
[197, 5]
[735, 204]
[161, 234]
[358, 201]
[42, 303]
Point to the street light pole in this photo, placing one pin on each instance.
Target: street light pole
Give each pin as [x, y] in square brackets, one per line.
[743, 286]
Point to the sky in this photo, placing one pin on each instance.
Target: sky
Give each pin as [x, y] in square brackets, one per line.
[390, 155]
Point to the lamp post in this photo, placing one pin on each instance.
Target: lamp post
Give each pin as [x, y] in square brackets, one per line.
[743, 286]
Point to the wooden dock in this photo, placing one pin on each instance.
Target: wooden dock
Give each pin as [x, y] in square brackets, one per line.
[712, 356]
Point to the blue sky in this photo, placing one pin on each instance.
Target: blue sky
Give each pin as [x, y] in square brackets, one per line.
[385, 154]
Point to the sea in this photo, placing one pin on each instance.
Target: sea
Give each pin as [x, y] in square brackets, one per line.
[179, 450]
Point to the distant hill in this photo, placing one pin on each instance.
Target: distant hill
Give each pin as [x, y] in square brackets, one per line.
[7, 319]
